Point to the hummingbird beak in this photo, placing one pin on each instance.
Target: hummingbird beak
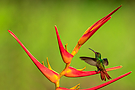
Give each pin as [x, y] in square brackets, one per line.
[92, 50]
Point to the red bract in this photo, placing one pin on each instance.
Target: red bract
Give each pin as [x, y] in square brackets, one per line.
[49, 74]
[66, 56]
[91, 30]
[72, 72]
[99, 86]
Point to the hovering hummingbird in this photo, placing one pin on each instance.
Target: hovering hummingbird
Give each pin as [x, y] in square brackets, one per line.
[99, 63]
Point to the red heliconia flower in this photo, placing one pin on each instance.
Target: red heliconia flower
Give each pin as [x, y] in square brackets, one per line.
[49, 74]
[67, 57]
[91, 30]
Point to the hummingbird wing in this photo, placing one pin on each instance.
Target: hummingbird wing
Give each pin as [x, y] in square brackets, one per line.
[89, 60]
[105, 61]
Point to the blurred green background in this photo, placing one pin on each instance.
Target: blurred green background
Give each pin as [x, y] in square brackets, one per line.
[33, 22]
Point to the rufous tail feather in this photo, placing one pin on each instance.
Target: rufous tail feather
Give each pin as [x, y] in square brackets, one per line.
[107, 75]
[102, 76]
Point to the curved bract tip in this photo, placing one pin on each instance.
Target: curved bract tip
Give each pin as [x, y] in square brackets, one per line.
[66, 56]
[91, 30]
[49, 74]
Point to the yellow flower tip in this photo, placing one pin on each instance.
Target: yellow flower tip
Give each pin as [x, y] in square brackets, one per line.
[49, 67]
[66, 47]
[76, 87]
[81, 69]
[43, 63]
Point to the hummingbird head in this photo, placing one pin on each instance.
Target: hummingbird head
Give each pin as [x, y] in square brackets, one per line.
[97, 54]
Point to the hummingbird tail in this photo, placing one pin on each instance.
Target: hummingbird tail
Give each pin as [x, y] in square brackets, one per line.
[107, 75]
[102, 76]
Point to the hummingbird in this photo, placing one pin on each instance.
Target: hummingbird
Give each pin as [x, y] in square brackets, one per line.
[99, 63]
